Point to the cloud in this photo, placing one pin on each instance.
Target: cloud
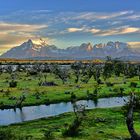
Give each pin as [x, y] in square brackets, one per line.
[107, 32]
[8, 41]
[101, 16]
[118, 31]
[93, 30]
[114, 22]
[115, 31]
[75, 29]
[53, 18]
[133, 17]
[134, 44]
[13, 34]
[83, 29]
[10, 27]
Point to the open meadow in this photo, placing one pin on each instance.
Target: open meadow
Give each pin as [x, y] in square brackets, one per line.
[36, 84]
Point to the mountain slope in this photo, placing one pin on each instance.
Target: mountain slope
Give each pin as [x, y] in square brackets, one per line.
[84, 51]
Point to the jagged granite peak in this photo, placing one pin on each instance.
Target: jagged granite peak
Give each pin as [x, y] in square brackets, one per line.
[30, 41]
[85, 51]
[83, 46]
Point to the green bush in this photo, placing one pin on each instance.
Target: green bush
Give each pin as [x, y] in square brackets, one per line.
[6, 135]
[109, 84]
[72, 129]
[13, 84]
[133, 84]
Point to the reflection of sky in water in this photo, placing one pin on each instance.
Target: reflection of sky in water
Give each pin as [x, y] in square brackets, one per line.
[9, 116]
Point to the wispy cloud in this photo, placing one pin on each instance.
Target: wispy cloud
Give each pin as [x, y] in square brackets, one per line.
[10, 27]
[101, 16]
[115, 31]
[107, 32]
[75, 29]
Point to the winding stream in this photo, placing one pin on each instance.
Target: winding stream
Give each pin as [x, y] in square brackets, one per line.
[10, 116]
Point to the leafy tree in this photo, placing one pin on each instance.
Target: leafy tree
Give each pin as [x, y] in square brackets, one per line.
[108, 69]
[87, 72]
[20, 101]
[118, 67]
[77, 67]
[62, 73]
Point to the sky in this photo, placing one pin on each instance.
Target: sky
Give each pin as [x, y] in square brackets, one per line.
[67, 23]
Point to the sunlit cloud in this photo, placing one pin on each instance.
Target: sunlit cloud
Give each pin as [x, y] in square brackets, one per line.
[75, 29]
[20, 27]
[107, 32]
[134, 44]
[118, 31]
[9, 41]
[12, 34]
[94, 31]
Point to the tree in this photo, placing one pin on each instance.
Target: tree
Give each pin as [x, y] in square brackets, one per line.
[87, 72]
[132, 105]
[96, 74]
[20, 101]
[62, 73]
[1, 69]
[9, 69]
[76, 67]
[79, 111]
[118, 67]
[13, 82]
[108, 68]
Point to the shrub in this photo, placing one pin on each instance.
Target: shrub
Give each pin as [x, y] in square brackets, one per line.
[67, 92]
[47, 83]
[99, 81]
[13, 84]
[6, 135]
[133, 84]
[109, 84]
[73, 97]
[73, 129]
[7, 92]
[121, 90]
[48, 135]
[116, 90]
[37, 94]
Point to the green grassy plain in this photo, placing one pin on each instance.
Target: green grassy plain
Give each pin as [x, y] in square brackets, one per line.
[28, 85]
[99, 124]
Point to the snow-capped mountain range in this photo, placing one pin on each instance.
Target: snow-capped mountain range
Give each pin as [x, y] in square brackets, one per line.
[84, 51]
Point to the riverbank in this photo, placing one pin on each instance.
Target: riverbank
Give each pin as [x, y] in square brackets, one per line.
[35, 112]
[99, 124]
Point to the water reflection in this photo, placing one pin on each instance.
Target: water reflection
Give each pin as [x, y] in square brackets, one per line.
[9, 116]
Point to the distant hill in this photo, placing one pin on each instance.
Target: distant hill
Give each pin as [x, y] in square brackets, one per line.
[30, 50]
